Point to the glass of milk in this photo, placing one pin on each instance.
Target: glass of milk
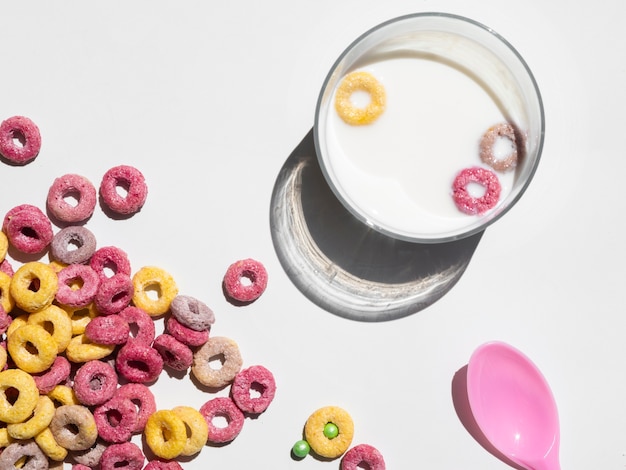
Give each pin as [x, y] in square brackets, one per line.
[447, 80]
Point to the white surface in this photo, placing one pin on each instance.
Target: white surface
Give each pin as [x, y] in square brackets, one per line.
[208, 99]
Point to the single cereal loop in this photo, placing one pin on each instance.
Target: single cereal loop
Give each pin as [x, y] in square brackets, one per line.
[6, 299]
[116, 420]
[256, 378]
[110, 329]
[28, 451]
[198, 429]
[151, 278]
[143, 399]
[176, 355]
[225, 408]
[132, 181]
[360, 81]
[81, 316]
[23, 406]
[95, 383]
[141, 322]
[73, 245]
[217, 347]
[81, 349]
[24, 130]
[139, 363]
[19, 208]
[42, 416]
[469, 204]
[57, 322]
[78, 286]
[114, 294]
[56, 374]
[5, 439]
[125, 456]
[192, 313]
[49, 446]
[76, 187]
[488, 141]
[17, 323]
[40, 275]
[166, 434]
[32, 348]
[29, 231]
[245, 280]
[110, 258]
[74, 427]
[90, 457]
[63, 395]
[363, 456]
[185, 335]
[314, 431]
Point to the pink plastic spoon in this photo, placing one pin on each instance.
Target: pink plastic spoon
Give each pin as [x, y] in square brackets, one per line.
[514, 407]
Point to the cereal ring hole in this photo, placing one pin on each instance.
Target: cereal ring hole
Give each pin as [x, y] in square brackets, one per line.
[153, 291]
[75, 283]
[360, 99]
[122, 186]
[476, 189]
[221, 420]
[114, 417]
[503, 147]
[34, 285]
[11, 394]
[29, 232]
[257, 390]
[217, 361]
[247, 278]
[139, 365]
[96, 382]
[18, 138]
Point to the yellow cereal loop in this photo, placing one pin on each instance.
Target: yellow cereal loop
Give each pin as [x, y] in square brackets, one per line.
[81, 349]
[355, 115]
[80, 317]
[32, 348]
[5, 439]
[33, 286]
[314, 431]
[4, 246]
[57, 322]
[57, 265]
[42, 415]
[16, 323]
[27, 396]
[150, 282]
[198, 429]
[63, 395]
[165, 434]
[6, 300]
[49, 446]
[3, 357]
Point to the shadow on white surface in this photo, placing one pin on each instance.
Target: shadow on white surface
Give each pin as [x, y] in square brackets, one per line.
[346, 267]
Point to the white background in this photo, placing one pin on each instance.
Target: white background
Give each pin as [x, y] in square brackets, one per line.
[209, 99]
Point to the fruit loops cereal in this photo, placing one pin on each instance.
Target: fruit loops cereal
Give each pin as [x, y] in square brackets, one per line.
[360, 81]
[503, 131]
[335, 443]
[72, 245]
[67, 188]
[256, 378]
[473, 205]
[227, 351]
[20, 140]
[124, 179]
[245, 280]
[28, 229]
[363, 456]
[222, 407]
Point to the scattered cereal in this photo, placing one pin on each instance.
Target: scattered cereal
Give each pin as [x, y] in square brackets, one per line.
[23, 130]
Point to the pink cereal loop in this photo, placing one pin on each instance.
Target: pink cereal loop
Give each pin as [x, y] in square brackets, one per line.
[19, 129]
[245, 280]
[363, 454]
[142, 329]
[176, 355]
[85, 278]
[95, 382]
[110, 258]
[139, 363]
[185, 334]
[129, 179]
[71, 186]
[124, 456]
[222, 407]
[143, 399]
[58, 373]
[108, 329]
[469, 204]
[29, 231]
[114, 294]
[253, 378]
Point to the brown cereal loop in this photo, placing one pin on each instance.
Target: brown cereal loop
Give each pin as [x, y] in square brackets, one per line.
[217, 348]
[314, 431]
[74, 427]
[360, 81]
[503, 130]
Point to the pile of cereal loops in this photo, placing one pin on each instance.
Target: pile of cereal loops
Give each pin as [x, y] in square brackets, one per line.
[328, 433]
[79, 343]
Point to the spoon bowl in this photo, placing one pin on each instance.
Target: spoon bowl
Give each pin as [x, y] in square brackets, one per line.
[513, 405]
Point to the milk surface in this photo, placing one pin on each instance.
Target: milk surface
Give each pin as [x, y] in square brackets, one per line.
[398, 171]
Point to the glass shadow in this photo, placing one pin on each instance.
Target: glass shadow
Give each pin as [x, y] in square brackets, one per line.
[346, 267]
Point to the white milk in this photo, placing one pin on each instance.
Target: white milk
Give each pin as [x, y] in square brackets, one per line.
[398, 171]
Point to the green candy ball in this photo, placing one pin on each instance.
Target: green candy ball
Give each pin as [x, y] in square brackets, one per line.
[331, 430]
[301, 449]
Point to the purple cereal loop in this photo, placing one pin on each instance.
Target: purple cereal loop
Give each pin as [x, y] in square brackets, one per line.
[226, 408]
[29, 231]
[90, 457]
[184, 334]
[110, 257]
[114, 294]
[253, 378]
[81, 275]
[116, 419]
[58, 373]
[142, 329]
[73, 245]
[28, 450]
[138, 363]
[77, 187]
[124, 456]
[95, 382]
[176, 355]
[143, 399]
[109, 329]
[192, 312]
[132, 181]
[26, 132]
